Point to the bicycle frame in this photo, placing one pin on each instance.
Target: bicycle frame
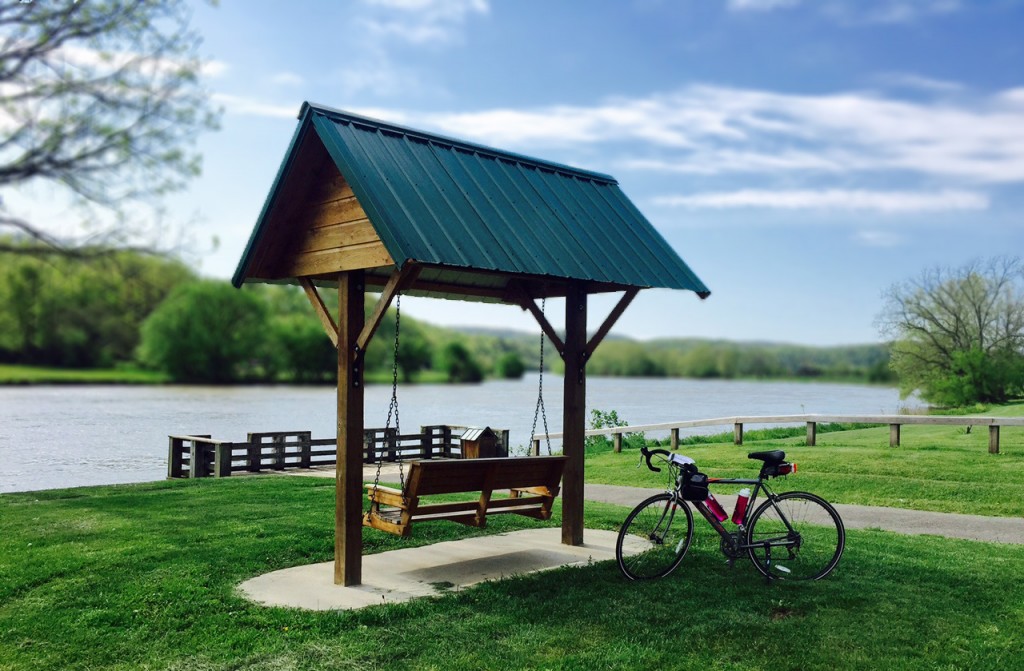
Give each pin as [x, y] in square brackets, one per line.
[736, 538]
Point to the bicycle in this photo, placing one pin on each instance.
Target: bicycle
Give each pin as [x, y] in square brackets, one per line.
[789, 536]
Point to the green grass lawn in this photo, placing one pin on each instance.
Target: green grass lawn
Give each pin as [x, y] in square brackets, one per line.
[939, 468]
[12, 374]
[144, 577]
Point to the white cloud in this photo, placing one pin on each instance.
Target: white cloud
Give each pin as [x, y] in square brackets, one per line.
[886, 202]
[858, 12]
[878, 238]
[246, 106]
[912, 81]
[760, 5]
[287, 79]
[717, 130]
[421, 22]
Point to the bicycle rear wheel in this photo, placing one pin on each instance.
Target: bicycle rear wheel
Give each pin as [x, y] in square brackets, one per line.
[654, 538]
[798, 536]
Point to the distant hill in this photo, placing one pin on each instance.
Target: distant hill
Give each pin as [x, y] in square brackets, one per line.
[693, 357]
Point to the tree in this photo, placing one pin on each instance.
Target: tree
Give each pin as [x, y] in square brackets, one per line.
[102, 99]
[61, 311]
[206, 331]
[510, 366]
[959, 332]
[459, 364]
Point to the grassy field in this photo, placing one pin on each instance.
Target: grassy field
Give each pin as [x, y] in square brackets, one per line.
[144, 577]
[12, 374]
[939, 468]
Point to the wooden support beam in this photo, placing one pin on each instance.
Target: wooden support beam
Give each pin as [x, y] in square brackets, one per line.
[610, 320]
[321, 310]
[674, 439]
[527, 303]
[737, 433]
[348, 511]
[574, 402]
[812, 433]
[993, 439]
[399, 280]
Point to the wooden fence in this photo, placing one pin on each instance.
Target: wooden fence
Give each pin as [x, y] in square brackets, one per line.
[895, 423]
[199, 456]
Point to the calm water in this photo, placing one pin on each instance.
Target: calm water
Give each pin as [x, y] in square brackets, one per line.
[68, 436]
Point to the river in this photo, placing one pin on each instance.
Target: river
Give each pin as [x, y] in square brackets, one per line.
[64, 436]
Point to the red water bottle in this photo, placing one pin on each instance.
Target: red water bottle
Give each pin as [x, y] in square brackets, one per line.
[741, 506]
[716, 508]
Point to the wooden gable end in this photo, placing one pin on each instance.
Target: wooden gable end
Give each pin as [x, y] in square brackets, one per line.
[317, 227]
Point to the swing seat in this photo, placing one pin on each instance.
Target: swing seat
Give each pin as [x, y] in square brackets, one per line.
[532, 482]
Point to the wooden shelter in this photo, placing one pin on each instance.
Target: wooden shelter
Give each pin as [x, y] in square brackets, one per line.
[362, 203]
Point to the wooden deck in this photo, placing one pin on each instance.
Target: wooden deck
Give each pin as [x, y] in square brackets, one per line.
[200, 456]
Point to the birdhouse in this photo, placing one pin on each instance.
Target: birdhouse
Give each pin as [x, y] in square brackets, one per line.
[481, 444]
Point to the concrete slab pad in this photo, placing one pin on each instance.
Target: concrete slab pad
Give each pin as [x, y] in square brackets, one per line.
[400, 575]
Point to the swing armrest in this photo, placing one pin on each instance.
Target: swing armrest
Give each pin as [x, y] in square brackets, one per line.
[385, 495]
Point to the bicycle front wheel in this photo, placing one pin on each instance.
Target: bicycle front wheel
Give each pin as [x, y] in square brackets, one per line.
[654, 538]
[797, 536]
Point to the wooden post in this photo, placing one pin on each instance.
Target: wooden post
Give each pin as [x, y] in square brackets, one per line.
[536, 447]
[993, 439]
[737, 433]
[278, 462]
[305, 447]
[894, 435]
[197, 467]
[617, 442]
[174, 450]
[348, 510]
[222, 459]
[574, 402]
[812, 434]
[674, 440]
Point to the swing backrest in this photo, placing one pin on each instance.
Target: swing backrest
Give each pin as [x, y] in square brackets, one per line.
[470, 475]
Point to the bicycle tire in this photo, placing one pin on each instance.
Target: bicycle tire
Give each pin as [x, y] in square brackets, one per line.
[657, 523]
[810, 551]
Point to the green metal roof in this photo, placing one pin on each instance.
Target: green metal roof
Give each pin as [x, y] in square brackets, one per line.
[444, 202]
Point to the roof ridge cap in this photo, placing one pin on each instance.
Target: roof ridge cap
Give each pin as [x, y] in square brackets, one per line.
[351, 117]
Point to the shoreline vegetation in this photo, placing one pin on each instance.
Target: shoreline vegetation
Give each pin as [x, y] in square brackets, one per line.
[24, 375]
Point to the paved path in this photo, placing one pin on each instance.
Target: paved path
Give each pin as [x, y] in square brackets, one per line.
[971, 527]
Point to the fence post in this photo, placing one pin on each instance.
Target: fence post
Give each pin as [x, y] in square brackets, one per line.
[894, 435]
[617, 442]
[812, 434]
[536, 447]
[222, 459]
[674, 440]
[197, 460]
[174, 449]
[505, 440]
[305, 447]
[426, 439]
[993, 439]
[368, 444]
[737, 433]
[278, 462]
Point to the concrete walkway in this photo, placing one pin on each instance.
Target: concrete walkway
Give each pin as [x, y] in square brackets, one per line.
[401, 575]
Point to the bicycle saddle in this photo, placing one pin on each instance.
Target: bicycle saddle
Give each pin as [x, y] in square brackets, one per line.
[770, 458]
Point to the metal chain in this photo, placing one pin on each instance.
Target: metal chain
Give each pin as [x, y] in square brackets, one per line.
[540, 409]
[393, 407]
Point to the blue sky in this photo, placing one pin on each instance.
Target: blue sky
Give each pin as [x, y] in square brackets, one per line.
[800, 155]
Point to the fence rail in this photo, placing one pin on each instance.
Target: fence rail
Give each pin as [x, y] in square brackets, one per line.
[200, 456]
[895, 423]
